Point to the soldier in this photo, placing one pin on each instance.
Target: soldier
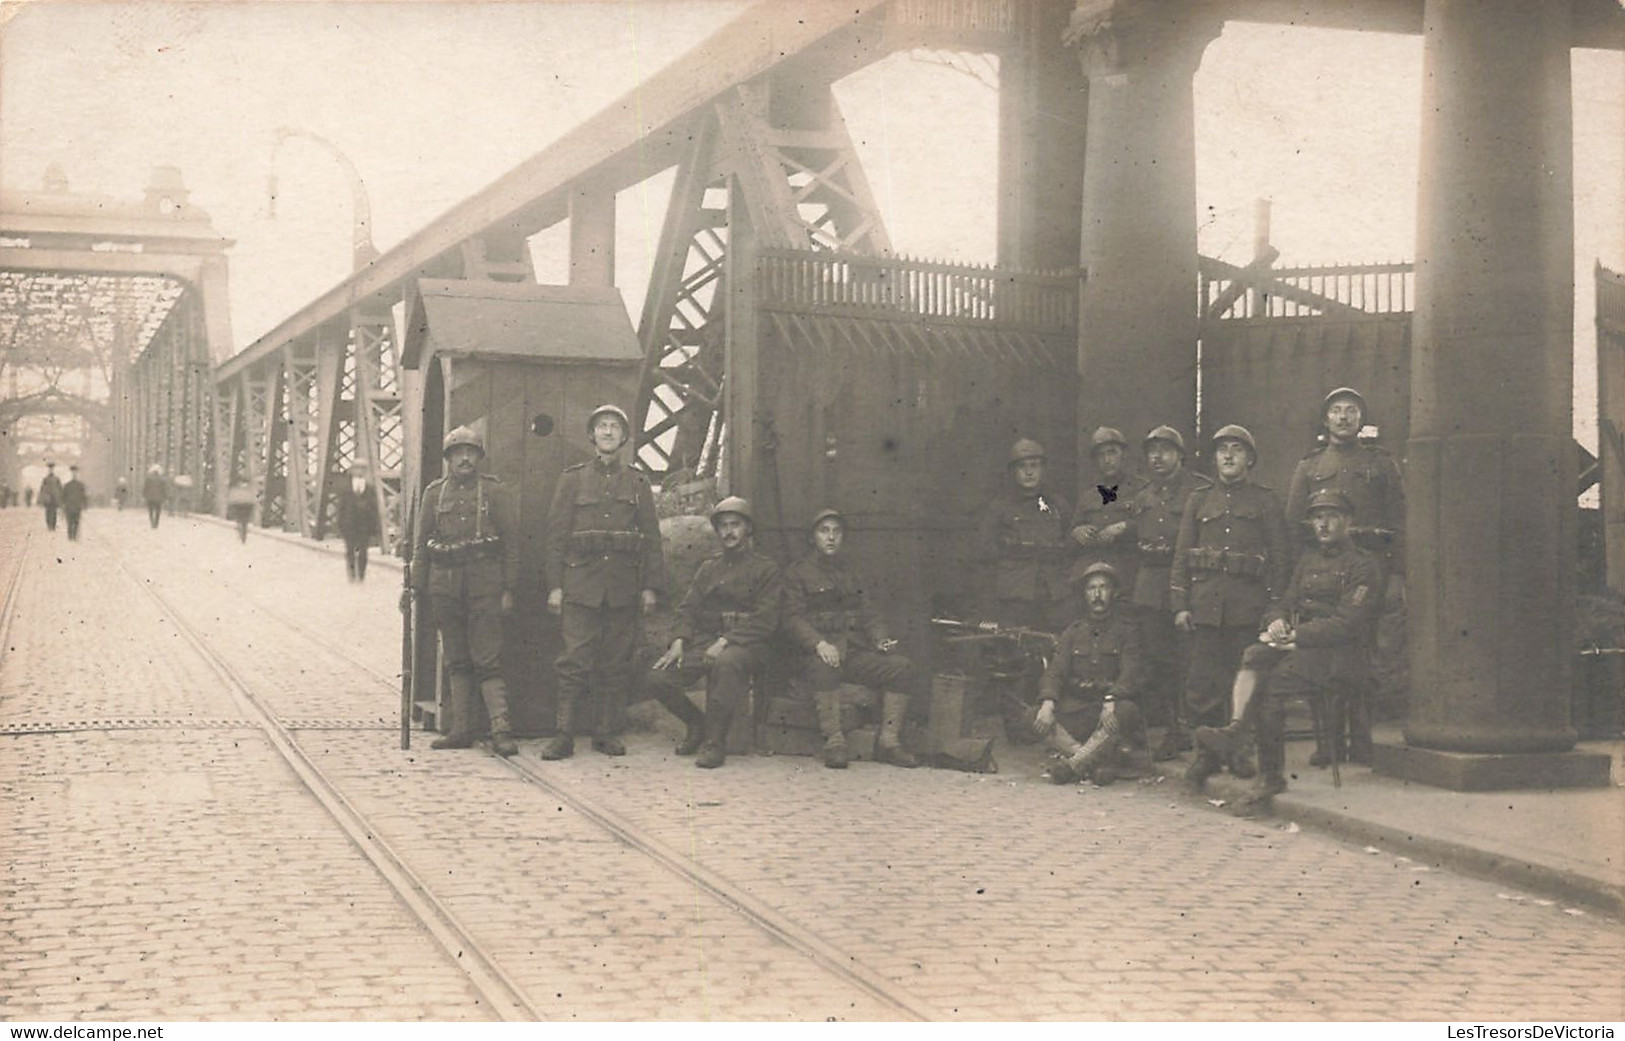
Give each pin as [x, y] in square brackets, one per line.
[828, 614]
[1090, 688]
[74, 499]
[1102, 522]
[1024, 535]
[1369, 478]
[1156, 510]
[724, 622]
[357, 521]
[604, 564]
[155, 490]
[466, 560]
[50, 495]
[1313, 643]
[1230, 563]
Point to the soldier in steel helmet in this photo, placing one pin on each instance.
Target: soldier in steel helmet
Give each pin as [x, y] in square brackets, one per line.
[829, 616]
[1312, 644]
[724, 622]
[604, 565]
[1155, 512]
[1091, 687]
[465, 559]
[1024, 535]
[1369, 477]
[1231, 562]
[1102, 524]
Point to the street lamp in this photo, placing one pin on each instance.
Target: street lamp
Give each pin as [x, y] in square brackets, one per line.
[363, 252]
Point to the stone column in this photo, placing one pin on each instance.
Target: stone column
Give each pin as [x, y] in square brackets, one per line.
[1137, 331]
[1490, 463]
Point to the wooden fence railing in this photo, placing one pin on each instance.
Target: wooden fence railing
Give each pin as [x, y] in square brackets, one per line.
[1293, 292]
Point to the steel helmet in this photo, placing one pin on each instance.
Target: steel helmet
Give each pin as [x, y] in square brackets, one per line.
[1237, 432]
[1346, 392]
[1330, 499]
[826, 513]
[1168, 434]
[611, 410]
[1106, 436]
[732, 504]
[1026, 448]
[1100, 567]
[463, 435]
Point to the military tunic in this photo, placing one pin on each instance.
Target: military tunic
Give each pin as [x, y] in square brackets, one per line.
[1026, 539]
[1156, 510]
[603, 549]
[736, 595]
[466, 555]
[1369, 478]
[824, 600]
[1093, 658]
[1102, 507]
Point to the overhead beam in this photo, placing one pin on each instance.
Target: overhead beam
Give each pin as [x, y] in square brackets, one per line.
[1596, 23]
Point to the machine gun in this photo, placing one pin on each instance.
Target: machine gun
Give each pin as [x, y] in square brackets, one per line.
[1014, 656]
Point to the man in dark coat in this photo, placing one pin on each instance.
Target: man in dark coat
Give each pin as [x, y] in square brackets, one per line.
[357, 521]
[605, 565]
[74, 499]
[50, 495]
[155, 490]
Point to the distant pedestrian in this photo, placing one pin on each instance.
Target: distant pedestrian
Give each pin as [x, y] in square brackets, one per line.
[28, 497]
[50, 495]
[155, 490]
[240, 508]
[5, 495]
[121, 491]
[74, 499]
[358, 521]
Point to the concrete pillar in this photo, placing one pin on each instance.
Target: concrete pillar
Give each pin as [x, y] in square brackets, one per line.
[1137, 332]
[1491, 467]
[592, 237]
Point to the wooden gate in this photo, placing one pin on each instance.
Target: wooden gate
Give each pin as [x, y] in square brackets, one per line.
[1611, 418]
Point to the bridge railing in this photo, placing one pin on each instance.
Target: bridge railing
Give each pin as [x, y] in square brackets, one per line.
[903, 287]
[1292, 292]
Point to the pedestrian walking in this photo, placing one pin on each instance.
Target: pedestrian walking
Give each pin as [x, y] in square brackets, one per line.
[465, 560]
[50, 495]
[605, 564]
[358, 521]
[28, 497]
[240, 508]
[155, 490]
[74, 499]
[121, 492]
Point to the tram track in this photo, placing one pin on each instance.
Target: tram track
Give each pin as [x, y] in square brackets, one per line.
[504, 994]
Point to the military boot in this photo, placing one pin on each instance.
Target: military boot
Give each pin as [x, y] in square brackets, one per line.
[1359, 727]
[692, 718]
[828, 703]
[1205, 765]
[495, 693]
[1322, 755]
[562, 745]
[888, 744]
[714, 752]
[1176, 740]
[460, 705]
[1240, 759]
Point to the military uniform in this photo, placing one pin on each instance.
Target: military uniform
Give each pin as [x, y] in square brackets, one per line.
[1369, 477]
[736, 595]
[466, 556]
[1097, 661]
[1230, 564]
[1157, 510]
[50, 497]
[1026, 538]
[1102, 507]
[74, 499]
[603, 550]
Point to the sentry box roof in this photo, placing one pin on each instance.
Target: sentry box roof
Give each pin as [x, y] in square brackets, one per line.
[519, 320]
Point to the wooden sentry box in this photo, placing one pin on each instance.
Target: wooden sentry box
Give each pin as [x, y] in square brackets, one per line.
[524, 365]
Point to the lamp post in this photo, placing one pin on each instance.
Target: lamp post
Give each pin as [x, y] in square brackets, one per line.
[363, 252]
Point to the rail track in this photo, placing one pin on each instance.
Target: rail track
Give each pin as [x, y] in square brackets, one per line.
[504, 995]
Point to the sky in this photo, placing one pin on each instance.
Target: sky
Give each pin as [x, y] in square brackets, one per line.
[431, 101]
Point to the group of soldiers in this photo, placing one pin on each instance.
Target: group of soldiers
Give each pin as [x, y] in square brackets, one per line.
[1200, 605]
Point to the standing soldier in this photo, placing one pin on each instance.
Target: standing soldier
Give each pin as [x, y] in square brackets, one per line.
[1313, 644]
[1102, 523]
[723, 625]
[1369, 478]
[1090, 689]
[828, 614]
[358, 521]
[50, 495]
[155, 490]
[74, 499]
[1156, 510]
[1231, 563]
[466, 560]
[1024, 535]
[604, 565]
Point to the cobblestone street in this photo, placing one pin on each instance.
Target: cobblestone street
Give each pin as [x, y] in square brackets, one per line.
[163, 860]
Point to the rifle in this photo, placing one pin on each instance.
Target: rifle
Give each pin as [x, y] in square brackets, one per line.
[408, 654]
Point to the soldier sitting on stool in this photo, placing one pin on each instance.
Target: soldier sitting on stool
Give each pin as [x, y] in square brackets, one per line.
[1090, 686]
[604, 563]
[1313, 644]
[466, 554]
[828, 614]
[728, 614]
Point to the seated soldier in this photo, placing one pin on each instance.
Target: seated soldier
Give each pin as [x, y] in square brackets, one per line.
[1090, 687]
[828, 615]
[1313, 644]
[730, 611]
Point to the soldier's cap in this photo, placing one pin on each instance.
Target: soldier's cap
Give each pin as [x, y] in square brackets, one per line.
[1107, 436]
[1236, 432]
[462, 436]
[1345, 392]
[825, 514]
[1026, 448]
[1168, 434]
[1330, 499]
[732, 504]
[609, 410]
[1099, 567]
